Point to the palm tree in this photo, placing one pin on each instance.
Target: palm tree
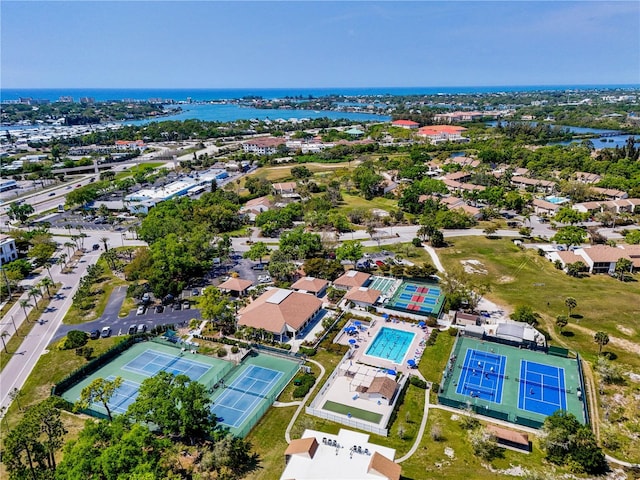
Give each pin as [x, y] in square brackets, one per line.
[561, 322]
[24, 304]
[46, 282]
[106, 246]
[47, 266]
[34, 293]
[62, 261]
[601, 338]
[571, 303]
[69, 246]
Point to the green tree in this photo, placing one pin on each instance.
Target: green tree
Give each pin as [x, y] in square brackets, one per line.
[216, 306]
[632, 237]
[524, 313]
[75, 339]
[47, 283]
[24, 304]
[623, 267]
[349, 250]
[176, 405]
[31, 446]
[99, 390]
[299, 244]
[257, 251]
[569, 236]
[20, 212]
[567, 442]
[601, 338]
[570, 303]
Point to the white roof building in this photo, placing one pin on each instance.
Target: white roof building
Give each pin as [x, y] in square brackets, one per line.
[346, 456]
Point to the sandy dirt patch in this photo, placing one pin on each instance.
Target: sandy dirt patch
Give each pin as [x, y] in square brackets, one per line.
[474, 266]
[626, 330]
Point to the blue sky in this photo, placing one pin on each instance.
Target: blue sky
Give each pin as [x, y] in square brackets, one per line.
[208, 44]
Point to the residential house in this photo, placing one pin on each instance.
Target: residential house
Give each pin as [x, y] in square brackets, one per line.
[8, 251]
[348, 455]
[255, 207]
[610, 193]
[263, 145]
[603, 258]
[585, 177]
[281, 312]
[312, 285]
[436, 134]
[457, 117]
[541, 185]
[542, 207]
[408, 124]
[284, 188]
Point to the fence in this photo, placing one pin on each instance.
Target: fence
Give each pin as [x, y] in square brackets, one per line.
[86, 370]
[489, 412]
[349, 422]
[558, 351]
[585, 404]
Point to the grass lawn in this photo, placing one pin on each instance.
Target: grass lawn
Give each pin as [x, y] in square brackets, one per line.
[136, 168]
[51, 368]
[106, 285]
[522, 277]
[13, 345]
[351, 202]
[355, 412]
[430, 461]
[434, 359]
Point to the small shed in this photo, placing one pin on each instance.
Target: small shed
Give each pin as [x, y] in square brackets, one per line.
[510, 439]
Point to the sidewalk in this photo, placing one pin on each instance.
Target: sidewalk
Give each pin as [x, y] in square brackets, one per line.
[16, 372]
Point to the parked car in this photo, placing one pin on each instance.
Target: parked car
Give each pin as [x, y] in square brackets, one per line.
[177, 306]
[195, 292]
[146, 298]
[94, 334]
[159, 309]
[141, 309]
[96, 246]
[186, 306]
[142, 328]
[132, 329]
[106, 331]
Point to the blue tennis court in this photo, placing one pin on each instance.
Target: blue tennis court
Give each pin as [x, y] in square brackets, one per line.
[244, 395]
[542, 388]
[150, 362]
[122, 397]
[482, 375]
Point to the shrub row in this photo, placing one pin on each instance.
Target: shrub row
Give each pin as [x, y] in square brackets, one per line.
[417, 382]
[433, 336]
[224, 340]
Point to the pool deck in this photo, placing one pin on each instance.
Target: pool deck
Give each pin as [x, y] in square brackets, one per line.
[357, 370]
[368, 332]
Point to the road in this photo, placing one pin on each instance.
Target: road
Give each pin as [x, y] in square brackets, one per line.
[16, 372]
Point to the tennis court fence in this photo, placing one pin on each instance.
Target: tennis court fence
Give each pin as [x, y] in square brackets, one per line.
[489, 412]
[84, 371]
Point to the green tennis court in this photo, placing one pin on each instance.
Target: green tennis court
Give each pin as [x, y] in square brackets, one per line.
[236, 402]
[532, 384]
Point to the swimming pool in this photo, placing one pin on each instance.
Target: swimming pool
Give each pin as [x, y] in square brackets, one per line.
[391, 344]
[556, 200]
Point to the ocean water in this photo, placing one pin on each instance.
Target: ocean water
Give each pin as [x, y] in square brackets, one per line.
[103, 94]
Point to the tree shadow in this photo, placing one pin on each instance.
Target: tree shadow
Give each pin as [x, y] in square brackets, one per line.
[567, 333]
[577, 316]
[609, 355]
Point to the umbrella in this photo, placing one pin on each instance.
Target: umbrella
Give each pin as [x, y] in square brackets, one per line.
[411, 362]
[357, 323]
[385, 315]
[421, 324]
[352, 341]
[391, 372]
